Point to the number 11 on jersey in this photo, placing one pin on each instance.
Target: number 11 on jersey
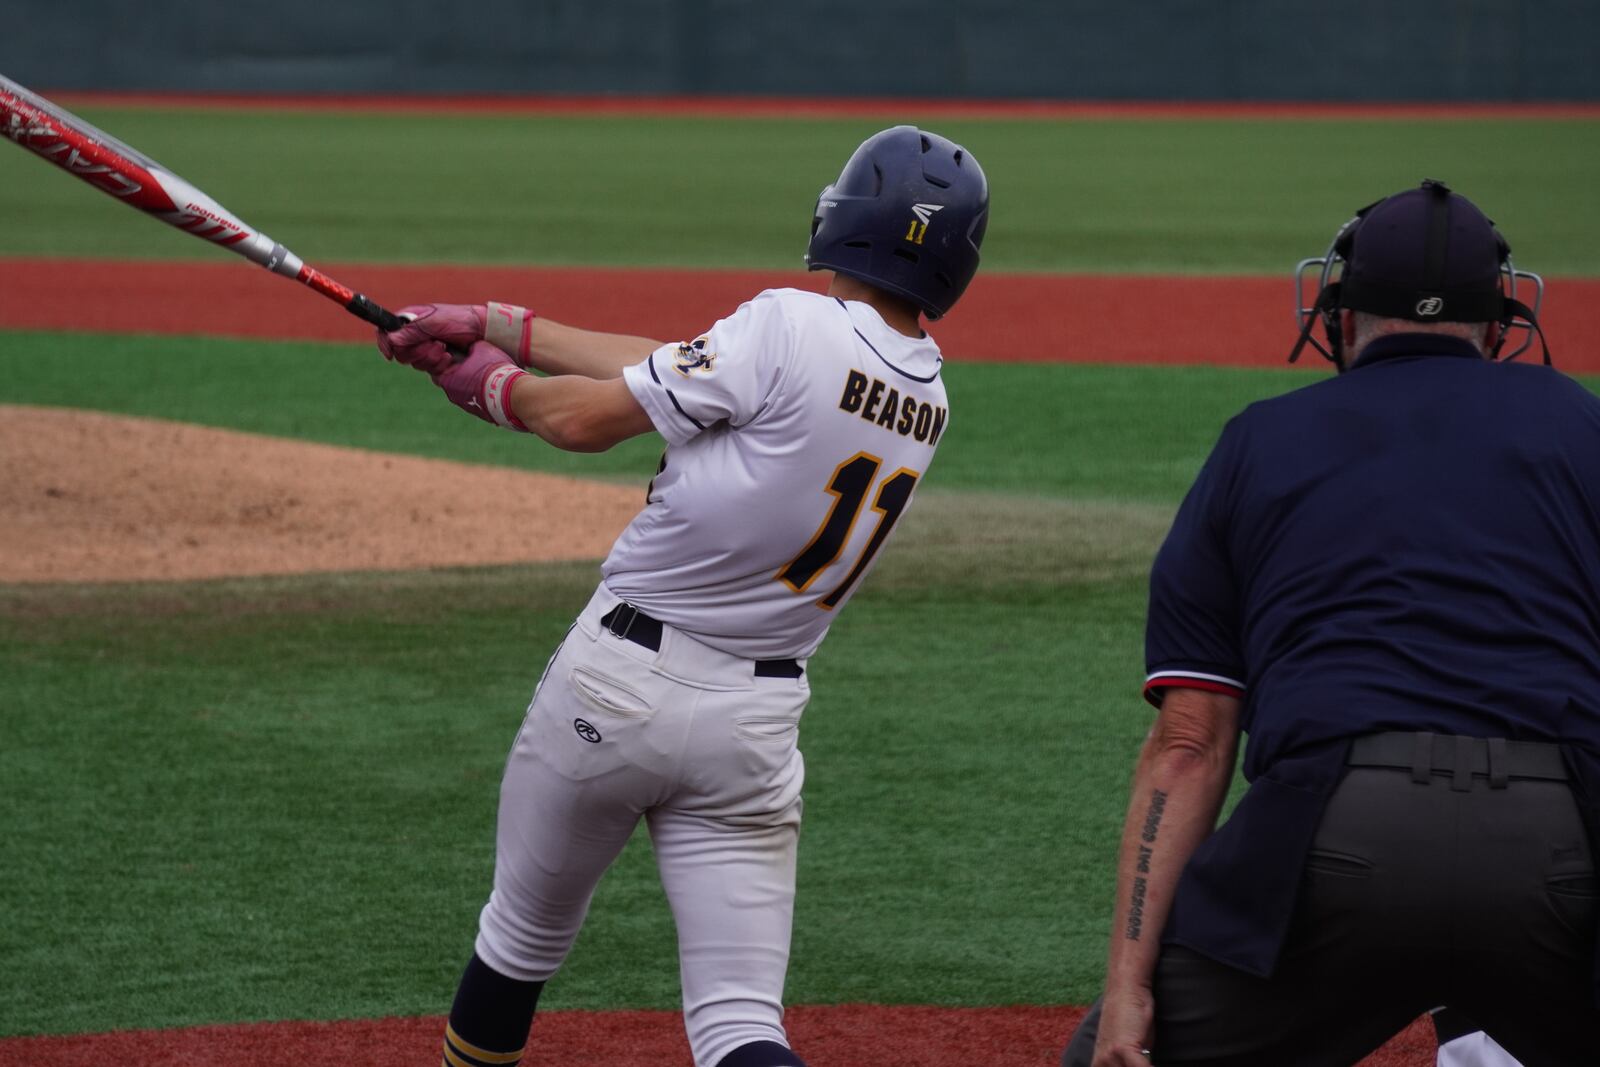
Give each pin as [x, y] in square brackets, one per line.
[850, 485]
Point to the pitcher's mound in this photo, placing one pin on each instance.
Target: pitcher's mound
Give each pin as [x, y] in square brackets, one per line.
[92, 497]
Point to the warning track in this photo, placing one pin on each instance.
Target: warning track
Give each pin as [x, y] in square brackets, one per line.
[1023, 318]
[846, 1035]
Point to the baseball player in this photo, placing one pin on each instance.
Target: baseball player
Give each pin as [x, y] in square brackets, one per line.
[797, 430]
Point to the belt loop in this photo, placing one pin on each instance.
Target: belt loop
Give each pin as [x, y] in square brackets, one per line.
[1498, 774]
[1461, 776]
[1422, 758]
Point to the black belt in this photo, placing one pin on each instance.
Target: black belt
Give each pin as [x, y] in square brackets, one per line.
[631, 624]
[1494, 758]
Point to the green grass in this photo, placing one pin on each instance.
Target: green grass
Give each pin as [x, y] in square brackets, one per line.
[274, 798]
[1170, 195]
[1084, 431]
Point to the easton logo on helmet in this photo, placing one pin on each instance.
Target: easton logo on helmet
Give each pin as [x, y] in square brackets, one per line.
[1431, 305]
[919, 225]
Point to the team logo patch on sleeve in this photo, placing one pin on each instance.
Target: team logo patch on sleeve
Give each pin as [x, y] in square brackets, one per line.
[693, 356]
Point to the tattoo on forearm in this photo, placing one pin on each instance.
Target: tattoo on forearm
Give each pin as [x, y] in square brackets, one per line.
[1152, 824]
[1152, 818]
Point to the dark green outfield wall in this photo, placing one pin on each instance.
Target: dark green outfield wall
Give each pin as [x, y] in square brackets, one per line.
[1486, 50]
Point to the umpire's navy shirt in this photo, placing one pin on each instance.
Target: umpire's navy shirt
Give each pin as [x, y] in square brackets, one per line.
[1412, 545]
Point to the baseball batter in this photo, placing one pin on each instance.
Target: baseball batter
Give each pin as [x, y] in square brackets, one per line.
[798, 429]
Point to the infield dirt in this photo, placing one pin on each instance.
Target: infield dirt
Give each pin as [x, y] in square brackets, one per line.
[86, 496]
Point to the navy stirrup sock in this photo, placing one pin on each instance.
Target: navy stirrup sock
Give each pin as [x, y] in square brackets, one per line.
[761, 1054]
[490, 1018]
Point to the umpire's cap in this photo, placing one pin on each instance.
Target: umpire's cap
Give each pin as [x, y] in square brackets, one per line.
[1426, 254]
[907, 214]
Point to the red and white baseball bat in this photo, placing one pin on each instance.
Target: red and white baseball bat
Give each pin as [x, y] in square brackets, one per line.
[139, 181]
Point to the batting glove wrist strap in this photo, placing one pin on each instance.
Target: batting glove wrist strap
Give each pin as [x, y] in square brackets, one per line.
[497, 397]
[481, 385]
[510, 329]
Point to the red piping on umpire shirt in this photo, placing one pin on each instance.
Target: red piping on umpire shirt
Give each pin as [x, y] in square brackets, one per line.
[1159, 682]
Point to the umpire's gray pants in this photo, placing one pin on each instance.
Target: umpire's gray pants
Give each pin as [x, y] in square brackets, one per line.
[1449, 890]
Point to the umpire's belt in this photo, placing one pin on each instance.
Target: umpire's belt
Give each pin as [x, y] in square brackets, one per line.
[631, 624]
[1462, 758]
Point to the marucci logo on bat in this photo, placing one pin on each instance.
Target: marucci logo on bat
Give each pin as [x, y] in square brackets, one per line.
[208, 224]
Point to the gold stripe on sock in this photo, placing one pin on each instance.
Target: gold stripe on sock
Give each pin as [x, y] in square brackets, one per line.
[477, 1053]
[451, 1059]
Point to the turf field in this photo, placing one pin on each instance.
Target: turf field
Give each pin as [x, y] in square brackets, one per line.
[1158, 195]
[265, 799]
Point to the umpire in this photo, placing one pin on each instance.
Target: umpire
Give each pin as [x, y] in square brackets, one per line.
[1390, 580]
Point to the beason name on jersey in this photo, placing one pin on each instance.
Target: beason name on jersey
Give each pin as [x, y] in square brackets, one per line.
[797, 429]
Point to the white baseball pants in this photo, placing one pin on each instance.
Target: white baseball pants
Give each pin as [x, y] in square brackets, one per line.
[1475, 1050]
[691, 740]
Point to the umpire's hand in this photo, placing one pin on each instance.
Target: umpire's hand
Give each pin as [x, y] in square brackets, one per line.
[1125, 1022]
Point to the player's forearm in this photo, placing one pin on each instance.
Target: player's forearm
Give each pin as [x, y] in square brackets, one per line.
[567, 350]
[557, 349]
[577, 413]
[1178, 788]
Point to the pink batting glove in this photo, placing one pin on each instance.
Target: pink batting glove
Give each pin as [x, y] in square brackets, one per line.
[426, 342]
[481, 385]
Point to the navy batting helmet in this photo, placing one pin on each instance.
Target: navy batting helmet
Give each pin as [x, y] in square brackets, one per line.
[907, 214]
[1425, 254]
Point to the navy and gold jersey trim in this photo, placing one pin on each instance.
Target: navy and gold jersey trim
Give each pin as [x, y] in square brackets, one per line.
[886, 363]
[651, 363]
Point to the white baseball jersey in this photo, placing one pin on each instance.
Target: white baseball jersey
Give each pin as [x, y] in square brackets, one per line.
[798, 429]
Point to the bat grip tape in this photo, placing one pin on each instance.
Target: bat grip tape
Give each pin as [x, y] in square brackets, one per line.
[364, 308]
